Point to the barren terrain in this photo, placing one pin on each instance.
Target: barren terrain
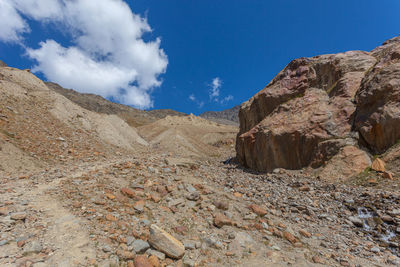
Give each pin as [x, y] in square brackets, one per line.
[80, 188]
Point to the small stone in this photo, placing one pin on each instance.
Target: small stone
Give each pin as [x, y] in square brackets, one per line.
[356, 221]
[142, 261]
[155, 262]
[237, 194]
[111, 218]
[129, 240]
[18, 216]
[139, 206]
[3, 242]
[107, 248]
[388, 175]
[375, 249]
[258, 210]
[221, 220]
[189, 245]
[304, 233]
[193, 196]
[33, 247]
[129, 192]
[21, 243]
[3, 211]
[125, 255]
[188, 262]
[387, 219]
[140, 246]
[222, 205]
[316, 259]
[378, 165]
[291, 238]
[304, 188]
[155, 197]
[156, 253]
[166, 243]
[110, 196]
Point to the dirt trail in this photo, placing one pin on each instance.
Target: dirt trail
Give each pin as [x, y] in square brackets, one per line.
[47, 224]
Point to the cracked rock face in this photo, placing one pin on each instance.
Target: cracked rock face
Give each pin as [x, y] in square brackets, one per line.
[316, 106]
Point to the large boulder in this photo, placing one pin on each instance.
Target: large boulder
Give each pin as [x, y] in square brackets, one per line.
[317, 106]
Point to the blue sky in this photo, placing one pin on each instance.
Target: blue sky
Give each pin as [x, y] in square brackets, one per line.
[198, 55]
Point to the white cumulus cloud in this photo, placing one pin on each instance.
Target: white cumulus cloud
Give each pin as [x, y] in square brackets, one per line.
[12, 25]
[108, 56]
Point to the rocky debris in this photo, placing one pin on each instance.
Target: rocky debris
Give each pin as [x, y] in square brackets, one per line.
[2, 64]
[304, 116]
[166, 243]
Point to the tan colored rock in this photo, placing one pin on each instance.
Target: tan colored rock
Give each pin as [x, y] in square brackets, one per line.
[129, 192]
[304, 233]
[166, 243]
[221, 220]
[378, 165]
[258, 210]
[350, 161]
[18, 216]
[125, 255]
[388, 175]
[291, 238]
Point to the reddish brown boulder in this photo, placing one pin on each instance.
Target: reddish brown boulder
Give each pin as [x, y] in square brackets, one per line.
[304, 116]
[324, 106]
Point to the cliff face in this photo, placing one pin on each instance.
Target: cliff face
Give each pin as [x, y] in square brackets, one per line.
[316, 107]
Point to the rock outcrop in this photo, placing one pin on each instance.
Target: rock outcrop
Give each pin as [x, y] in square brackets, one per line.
[317, 106]
[377, 117]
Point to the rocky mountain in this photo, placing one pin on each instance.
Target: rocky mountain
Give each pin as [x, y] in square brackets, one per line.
[322, 108]
[96, 103]
[227, 116]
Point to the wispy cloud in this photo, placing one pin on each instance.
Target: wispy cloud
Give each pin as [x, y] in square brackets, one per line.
[227, 99]
[199, 103]
[214, 94]
[214, 90]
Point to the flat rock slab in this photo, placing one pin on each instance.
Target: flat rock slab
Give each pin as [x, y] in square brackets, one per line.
[166, 243]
